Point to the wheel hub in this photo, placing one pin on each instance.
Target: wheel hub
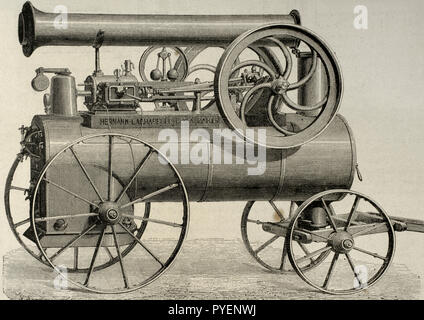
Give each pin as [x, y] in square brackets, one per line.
[279, 86]
[109, 212]
[342, 242]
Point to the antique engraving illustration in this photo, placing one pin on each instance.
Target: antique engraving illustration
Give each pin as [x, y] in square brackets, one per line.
[142, 121]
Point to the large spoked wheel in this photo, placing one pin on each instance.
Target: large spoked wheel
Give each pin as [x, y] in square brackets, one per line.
[266, 248]
[281, 130]
[358, 234]
[103, 213]
[19, 220]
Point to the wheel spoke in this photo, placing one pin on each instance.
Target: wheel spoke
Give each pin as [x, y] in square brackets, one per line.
[93, 259]
[86, 173]
[266, 244]
[283, 258]
[74, 240]
[303, 247]
[71, 216]
[375, 255]
[311, 72]
[298, 107]
[255, 221]
[109, 253]
[121, 262]
[18, 188]
[150, 195]
[248, 95]
[260, 64]
[110, 178]
[70, 192]
[330, 270]
[352, 266]
[330, 217]
[292, 209]
[172, 224]
[271, 115]
[141, 244]
[76, 258]
[287, 56]
[137, 171]
[20, 223]
[280, 214]
[313, 254]
[352, 212]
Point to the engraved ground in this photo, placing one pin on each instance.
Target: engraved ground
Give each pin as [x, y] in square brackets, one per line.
[205, 269]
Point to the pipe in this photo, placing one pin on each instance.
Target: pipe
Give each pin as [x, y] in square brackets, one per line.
[37, 28]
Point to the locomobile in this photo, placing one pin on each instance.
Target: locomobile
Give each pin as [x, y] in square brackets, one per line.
[97, 173]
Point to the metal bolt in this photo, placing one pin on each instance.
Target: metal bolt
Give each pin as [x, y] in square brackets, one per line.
[112, 214]
[348, 244]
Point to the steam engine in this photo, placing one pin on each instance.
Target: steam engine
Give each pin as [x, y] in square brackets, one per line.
[277, 88]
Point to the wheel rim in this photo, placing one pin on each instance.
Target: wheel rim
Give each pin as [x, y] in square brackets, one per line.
[10, 216]
[112, 226]
[361, 240]
[26, 222]
[269, 262]
[277, 138]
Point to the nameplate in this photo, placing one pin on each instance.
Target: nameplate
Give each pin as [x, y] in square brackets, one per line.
[104, 121]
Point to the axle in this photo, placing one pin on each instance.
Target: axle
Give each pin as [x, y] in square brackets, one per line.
[365, 223]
